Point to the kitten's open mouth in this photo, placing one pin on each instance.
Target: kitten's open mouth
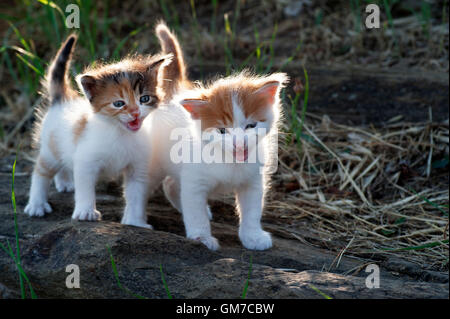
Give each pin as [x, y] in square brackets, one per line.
[135, 124]
[241, 154]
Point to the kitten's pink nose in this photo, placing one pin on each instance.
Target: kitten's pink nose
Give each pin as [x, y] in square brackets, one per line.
[135, 113]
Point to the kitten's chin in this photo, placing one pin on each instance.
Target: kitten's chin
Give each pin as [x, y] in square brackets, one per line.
[134, 125]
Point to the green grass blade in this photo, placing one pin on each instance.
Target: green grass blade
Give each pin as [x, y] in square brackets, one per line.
[31, 66]
[116, 52]
[116, 275]
[214, 17]
[54, 6]
[319, 292]
[271, 48]
[9, 252]
[165, 10]
[247, 282]
[426, 200]
[164, 282]
[419, 247]
[22, 274]
[19, 35]
[16, 229]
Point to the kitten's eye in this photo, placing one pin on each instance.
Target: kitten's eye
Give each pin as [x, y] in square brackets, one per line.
[252, 125]
[144, 99]
[222, 130]
[119, 104]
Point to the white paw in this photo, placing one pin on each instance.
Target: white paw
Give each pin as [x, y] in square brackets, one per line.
[89, 214]
[208, 210]
[137, 224]
[209, 241]
[255, 240]
[37, 209]
[64, 186]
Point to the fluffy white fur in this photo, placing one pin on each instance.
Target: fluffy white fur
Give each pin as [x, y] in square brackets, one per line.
[106, 148]
[188, 186]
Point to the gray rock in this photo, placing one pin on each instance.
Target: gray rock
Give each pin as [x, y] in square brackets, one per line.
[51, 243]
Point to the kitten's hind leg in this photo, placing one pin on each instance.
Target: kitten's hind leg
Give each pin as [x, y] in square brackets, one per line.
[43, 173]
[64, 180]
[171, 188]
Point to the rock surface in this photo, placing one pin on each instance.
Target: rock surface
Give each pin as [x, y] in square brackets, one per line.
[291, 269]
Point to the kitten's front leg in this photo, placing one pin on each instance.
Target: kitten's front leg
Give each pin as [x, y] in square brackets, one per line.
[136, 193]
[85, 177]
[250, 202]
[195, 215]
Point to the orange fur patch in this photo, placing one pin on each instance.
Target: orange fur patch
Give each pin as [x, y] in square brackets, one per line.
[44, 169]
[53, 146]
[253, 93]
[254, 103]
[79, 127]
[219, 110]
[125, 80]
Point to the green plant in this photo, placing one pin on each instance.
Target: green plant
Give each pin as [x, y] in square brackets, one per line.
[197, 36]
[320, 292]
[128, 291]
[356, 10]
[247, 282]
[164, 282]
[18, 51]
[9, 251]
[296, 125]
[116, 275]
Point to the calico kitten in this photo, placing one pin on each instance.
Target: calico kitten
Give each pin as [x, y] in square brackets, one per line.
[233, 111]
[83, 138]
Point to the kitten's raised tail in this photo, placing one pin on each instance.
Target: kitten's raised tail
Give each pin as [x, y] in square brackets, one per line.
[175, 73]
[58, 83]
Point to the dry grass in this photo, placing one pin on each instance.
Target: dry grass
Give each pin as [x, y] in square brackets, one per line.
[363, 192]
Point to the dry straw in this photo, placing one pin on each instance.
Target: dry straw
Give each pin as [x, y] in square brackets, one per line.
[367, 192]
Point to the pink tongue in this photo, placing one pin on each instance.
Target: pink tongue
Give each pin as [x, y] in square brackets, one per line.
[241, 155]
[134, 125]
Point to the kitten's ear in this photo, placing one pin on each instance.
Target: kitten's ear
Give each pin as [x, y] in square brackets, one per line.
[271, 89]
[88, 83]
[162, 62]
[193, 106]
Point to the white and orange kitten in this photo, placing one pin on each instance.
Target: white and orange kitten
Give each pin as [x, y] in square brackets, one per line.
[232, 111]
[83, 138]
